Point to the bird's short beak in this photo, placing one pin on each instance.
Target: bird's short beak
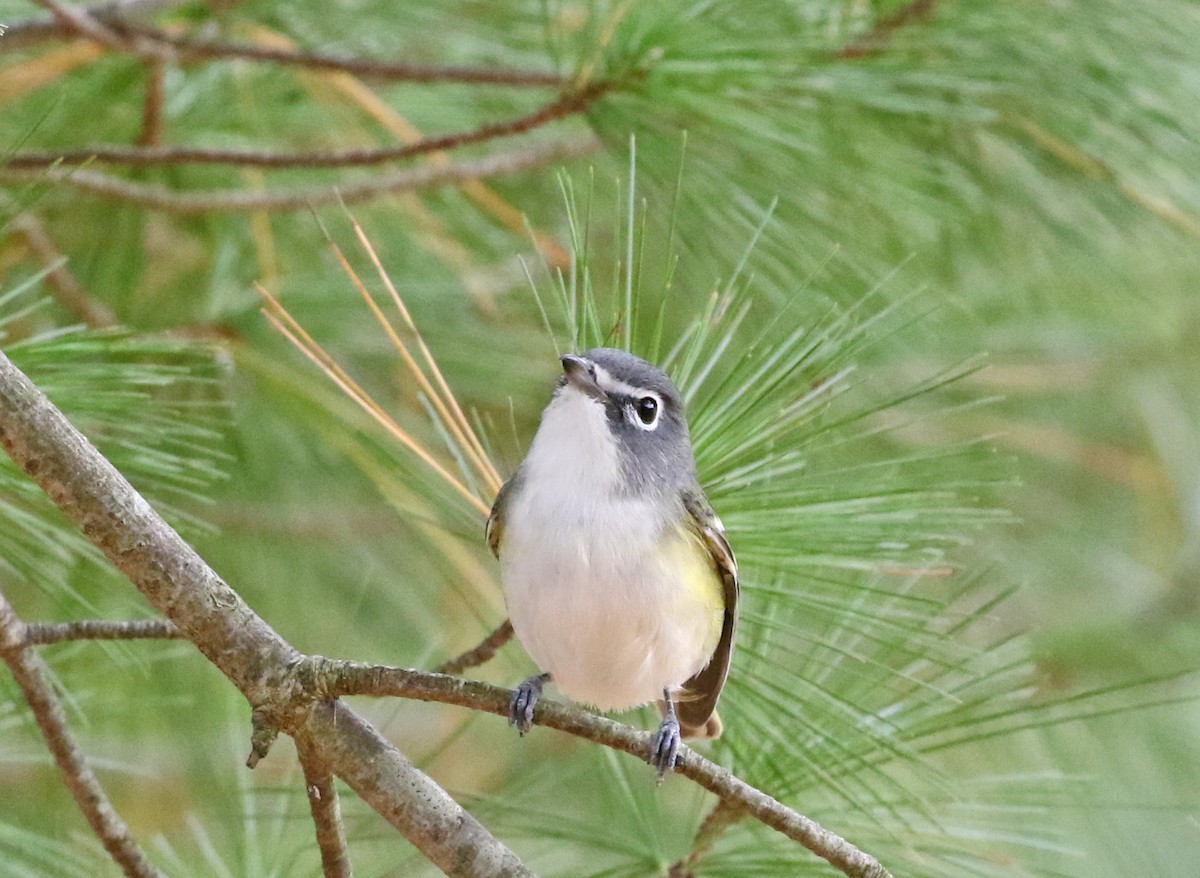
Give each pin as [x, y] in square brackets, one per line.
[581, 375]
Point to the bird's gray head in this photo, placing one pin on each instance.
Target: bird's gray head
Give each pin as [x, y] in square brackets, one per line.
[644, 415]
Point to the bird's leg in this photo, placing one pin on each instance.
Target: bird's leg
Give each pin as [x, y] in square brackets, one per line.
[524, 700]
[665, 752]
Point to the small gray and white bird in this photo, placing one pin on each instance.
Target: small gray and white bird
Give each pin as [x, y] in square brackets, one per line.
[618, 577]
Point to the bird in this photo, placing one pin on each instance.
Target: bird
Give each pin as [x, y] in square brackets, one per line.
[619, 580]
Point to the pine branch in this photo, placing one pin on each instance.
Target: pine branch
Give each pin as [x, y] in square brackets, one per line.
[189, 49]
[326, 812]
[46, 633]
[720, 818]
[169, 573]
[115, 18]
[481, 654]
[62, 283]
[34, 678]
[566, 105]
[20, 34]
[296, 693]
[152, 107]
[168, 200]
[322, 678]
[77, 20]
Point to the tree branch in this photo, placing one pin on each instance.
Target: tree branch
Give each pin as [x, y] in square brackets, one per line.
[35, 30]
[34, 678]
[298, 693]
[353, 748]
[723, 815]
[324, 678]
[46, 633]
[481, 654]
[152, 106]
[147, 156]
[156, 197]
[326, 813]
[63, 284]
[189, 49]
[169, 573]
[77, 20]
[116, 18]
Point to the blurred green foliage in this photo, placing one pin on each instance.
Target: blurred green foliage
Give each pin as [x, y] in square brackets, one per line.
[928, 273]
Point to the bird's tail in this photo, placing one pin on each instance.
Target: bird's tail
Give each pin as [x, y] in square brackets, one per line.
[711, 728]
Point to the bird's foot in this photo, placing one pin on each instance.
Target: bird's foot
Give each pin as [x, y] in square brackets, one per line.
[524, 700]
[664, 752]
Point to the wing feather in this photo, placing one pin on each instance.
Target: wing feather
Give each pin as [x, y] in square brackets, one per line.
[494, 529]
[696, 709]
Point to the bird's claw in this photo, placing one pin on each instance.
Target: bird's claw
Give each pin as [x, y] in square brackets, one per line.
[524, 700]
[664, 753]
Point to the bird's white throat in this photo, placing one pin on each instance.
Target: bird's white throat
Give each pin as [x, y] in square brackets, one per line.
[573, 453]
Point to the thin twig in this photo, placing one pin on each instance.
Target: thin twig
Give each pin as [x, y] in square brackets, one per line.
[326, 812]
[150, 156]
[169, 573]
[115, 18]
[380, 774]
[874, 40]
[36, 684]
[63, 284]
[46, 633]
[323, 678]
[396, 71]
[152, 106]
[85, 25]
[78, 19]
[20, 34]
[723, 815]
[478, 655]
[155, 197]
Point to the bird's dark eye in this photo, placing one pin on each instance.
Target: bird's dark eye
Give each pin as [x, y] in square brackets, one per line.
[647, 410]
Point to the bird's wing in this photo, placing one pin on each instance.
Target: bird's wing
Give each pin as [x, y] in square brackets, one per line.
[494, 529]
[697, 707]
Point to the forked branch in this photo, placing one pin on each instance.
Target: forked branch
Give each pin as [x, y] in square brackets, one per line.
[156, 197]
[119, 19]
[324, 678]
[34, 678]
[326, 812]
[169, 573]
[149, 154]
[297, 694]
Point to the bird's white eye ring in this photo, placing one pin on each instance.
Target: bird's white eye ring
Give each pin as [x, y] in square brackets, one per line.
[647, 411]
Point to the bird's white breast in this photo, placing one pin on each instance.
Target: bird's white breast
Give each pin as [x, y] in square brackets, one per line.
[601, 587]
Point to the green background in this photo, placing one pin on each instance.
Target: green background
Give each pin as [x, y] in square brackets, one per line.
[967, 506]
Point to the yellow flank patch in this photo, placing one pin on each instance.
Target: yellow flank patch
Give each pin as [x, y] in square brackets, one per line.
[688, 554]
